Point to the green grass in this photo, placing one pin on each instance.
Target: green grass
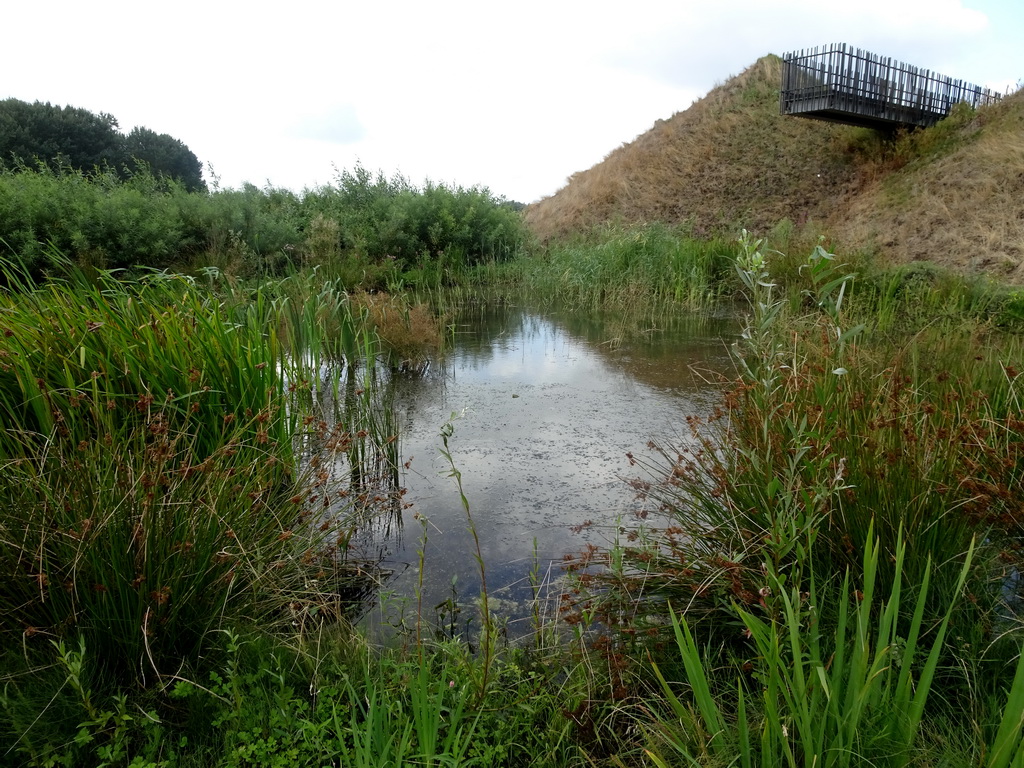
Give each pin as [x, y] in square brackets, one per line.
[265, 704]
[817, 696]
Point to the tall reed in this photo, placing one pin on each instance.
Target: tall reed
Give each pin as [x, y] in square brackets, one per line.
[632, 269]
[151, 444]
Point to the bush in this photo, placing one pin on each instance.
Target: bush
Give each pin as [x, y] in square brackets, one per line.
[102, 221]
[366, 230]
[383, 219]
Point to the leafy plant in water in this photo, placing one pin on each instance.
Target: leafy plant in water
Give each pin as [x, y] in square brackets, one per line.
[488, 633]
[758, 358]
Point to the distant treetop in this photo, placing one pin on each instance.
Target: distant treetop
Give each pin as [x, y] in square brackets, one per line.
[77, 138]
[161, 153]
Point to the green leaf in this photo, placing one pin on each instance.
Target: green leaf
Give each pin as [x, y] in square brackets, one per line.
[1008, 739]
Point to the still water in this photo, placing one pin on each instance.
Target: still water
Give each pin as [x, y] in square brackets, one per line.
[547, 408]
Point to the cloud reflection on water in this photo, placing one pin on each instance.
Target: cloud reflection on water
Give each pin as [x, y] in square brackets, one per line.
[550, 410]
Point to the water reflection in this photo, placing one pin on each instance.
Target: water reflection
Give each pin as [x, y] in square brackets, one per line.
[549, 407]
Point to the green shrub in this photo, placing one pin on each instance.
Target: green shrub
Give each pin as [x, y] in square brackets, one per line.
[102, 221]
[379, 228]
[381, 219]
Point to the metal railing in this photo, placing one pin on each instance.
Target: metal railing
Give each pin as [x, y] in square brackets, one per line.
[843, 84]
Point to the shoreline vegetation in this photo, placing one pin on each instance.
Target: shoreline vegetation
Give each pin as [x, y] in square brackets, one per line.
[197, 440]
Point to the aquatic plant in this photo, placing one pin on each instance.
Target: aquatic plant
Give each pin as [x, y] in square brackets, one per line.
[828, 431]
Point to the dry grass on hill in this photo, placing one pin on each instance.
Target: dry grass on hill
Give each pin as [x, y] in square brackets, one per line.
[961, 206]
[953, 194]
[726, 159]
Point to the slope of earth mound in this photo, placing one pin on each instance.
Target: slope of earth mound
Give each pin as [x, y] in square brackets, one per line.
[951, 194]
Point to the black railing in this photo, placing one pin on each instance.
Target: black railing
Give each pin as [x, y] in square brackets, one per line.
[847, 85]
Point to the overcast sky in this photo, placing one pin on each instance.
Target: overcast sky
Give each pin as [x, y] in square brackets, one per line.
[514, 96]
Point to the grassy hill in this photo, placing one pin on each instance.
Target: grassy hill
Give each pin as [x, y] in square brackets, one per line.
[952, 194]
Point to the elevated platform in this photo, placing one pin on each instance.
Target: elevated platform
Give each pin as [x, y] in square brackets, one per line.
[841, 84]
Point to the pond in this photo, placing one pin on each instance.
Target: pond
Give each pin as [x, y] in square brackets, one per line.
[548, 408]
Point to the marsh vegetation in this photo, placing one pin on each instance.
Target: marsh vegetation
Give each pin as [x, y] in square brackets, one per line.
[201, 446]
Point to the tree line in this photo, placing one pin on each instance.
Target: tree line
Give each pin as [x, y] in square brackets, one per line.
[74, 138]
